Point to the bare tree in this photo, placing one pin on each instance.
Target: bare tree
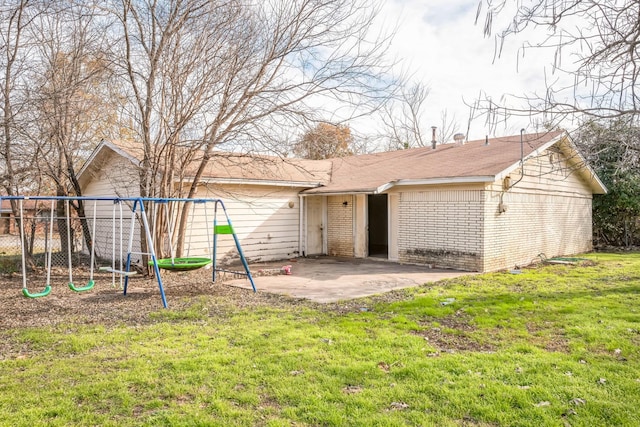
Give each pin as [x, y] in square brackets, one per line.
[613, 145]
[70, 112]
[17, 154]
[613, 149]
[404, 120]
[204, 74]
[448, 127]
[595, 67]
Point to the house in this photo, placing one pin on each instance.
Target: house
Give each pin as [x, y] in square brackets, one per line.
[31, 210]
[261, 194]
[480, 206]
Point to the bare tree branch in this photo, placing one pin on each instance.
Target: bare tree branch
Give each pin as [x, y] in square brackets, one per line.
[595, 63]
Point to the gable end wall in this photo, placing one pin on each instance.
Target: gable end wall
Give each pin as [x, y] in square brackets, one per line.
[547, 212]
[112, 176]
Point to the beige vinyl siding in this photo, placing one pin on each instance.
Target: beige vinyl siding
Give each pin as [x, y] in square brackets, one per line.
[114, 177]
[266, 220]
[266, 225]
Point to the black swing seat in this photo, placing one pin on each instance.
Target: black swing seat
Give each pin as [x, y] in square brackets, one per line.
[121, 272]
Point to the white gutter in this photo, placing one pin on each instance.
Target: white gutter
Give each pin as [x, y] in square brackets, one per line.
[272, 183]
[385, 187]
[449, 180]
[404, 182]
[338, 193]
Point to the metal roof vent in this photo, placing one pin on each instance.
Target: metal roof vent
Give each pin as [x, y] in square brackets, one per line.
[459, 138]
[434, 142]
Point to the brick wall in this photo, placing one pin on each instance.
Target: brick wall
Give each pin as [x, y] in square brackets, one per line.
[548, 211]
[340, 226]
[536, 224]
[442, 228]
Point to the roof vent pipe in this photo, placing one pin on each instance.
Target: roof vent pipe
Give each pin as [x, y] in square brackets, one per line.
[486, 140]
[433, 137]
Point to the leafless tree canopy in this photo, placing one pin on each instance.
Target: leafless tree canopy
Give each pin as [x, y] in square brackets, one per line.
[17, 152]
[595, 65]
[613, 145]
[404, 120]
[181, 78]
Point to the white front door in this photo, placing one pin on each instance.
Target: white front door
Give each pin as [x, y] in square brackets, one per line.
[315, 226]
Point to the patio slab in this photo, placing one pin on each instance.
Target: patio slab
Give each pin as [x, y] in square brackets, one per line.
[327, 280]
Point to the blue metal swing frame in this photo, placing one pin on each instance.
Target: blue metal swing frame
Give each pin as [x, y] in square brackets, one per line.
[138, 208]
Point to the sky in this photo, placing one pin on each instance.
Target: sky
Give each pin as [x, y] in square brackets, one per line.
[438, 44]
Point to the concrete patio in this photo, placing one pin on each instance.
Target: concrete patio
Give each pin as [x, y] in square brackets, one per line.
[326, 280]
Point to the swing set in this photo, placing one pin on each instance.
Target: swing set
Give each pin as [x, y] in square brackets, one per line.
[137, 213]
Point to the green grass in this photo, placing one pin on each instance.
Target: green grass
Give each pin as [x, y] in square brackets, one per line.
[10, 263]
[556, 345]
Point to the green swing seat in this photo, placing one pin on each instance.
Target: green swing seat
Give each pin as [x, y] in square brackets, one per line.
[46, 291]
[88, 287]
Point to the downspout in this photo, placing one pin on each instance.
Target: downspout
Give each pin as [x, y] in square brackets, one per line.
[501, 206]
[521, 159]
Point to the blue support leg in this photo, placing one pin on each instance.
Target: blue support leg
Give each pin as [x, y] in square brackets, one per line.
[215, 244]
[160, 286]
[244, 262]
[239, 248]
[126, 278]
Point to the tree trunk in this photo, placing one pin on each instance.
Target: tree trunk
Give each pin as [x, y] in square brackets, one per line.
[89, 240]
[61, 220]
[182, 226]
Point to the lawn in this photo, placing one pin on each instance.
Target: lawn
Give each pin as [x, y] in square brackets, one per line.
[555, 345]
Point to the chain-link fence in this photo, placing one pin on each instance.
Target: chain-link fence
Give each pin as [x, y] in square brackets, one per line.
[111, 239]
[109, 234]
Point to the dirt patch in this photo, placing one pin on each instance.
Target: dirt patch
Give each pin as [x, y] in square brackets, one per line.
[453, 334]
[548, 338]
[106, 304]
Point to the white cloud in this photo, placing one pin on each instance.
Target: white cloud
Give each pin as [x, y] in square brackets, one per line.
[438, 44]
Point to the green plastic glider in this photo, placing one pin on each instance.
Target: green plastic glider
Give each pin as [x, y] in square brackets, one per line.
[182, 264]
